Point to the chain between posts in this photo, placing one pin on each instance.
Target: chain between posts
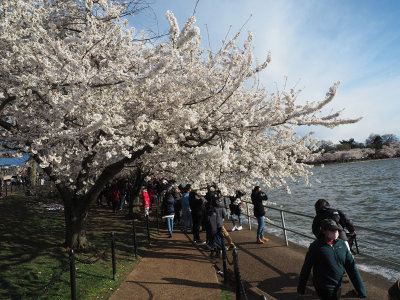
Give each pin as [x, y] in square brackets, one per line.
[88, 262]
[53, 281]
[72, 259]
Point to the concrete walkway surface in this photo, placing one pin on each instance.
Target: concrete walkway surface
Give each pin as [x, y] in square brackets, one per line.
[173, 268]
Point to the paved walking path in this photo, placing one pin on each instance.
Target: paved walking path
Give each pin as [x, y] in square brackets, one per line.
[174, 268]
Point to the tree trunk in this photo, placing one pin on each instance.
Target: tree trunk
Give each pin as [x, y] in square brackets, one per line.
[76, 207]
[76, 212]
[137, 182]
[32, 174]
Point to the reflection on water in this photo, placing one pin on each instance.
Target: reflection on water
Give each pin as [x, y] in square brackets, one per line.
[368, 192]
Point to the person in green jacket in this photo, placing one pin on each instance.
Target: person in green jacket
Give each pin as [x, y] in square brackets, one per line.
[329, 257]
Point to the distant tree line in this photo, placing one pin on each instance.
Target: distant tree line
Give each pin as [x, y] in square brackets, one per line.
[374, 141]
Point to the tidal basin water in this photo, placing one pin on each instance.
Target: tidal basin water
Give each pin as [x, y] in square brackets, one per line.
[368, 192]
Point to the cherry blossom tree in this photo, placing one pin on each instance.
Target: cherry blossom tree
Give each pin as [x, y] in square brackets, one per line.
[85, 99]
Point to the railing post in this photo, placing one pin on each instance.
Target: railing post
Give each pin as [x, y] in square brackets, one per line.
[72, 274]
[147, 228]
[134, 236]
[248, 215]
[224, 260]
[158, 223]
[114, 266]
[236, 270]
[284, 228]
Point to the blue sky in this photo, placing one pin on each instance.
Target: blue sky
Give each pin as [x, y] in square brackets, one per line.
[314, 43]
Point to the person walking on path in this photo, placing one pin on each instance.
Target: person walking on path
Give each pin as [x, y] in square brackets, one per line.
[178, 205]
[196, 206]
[146, 202]
[257, 198]
[123, 186]
[220, 211]
[169, 211]
[114, 196]
[328, 256]
[236, 209]
[324, 211]
[186, 211]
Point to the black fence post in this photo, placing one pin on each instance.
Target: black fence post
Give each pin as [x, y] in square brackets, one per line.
[158, 223]
[114, 266]
[236, 267]
[72, 274]
[224, 261]
[134, 235]
[147, 227]
[240, 292]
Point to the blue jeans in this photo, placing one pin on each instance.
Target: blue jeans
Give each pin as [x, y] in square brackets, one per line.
[234, 222]
[121, 201]
[170, 223]
[260, 229]
[187, 216]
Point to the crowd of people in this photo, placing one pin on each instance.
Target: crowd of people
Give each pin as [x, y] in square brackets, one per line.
[329, 256]
[203, 211]
[115, 194]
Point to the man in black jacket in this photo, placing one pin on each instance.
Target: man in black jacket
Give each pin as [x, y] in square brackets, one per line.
[257, 198]
[324, 211]
[196, 203]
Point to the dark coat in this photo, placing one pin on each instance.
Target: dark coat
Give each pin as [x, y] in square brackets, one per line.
[196, 204]
[220, 213]
[328, 263]
[235, 206]
[257, 198]
[339, 217]
[169, 205]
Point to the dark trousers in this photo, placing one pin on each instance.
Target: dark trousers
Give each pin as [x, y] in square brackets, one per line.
[196, 226]
[329, 295]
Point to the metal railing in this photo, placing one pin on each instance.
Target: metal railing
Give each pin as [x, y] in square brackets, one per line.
[286, 229]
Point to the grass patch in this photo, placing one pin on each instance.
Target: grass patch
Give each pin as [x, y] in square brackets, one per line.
[32, 258]
[227, 292]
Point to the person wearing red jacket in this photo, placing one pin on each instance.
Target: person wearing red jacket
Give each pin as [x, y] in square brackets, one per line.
[114, 196]
[146, 201]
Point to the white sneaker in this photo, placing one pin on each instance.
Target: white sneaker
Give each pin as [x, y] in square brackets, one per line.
[234, 228]
[239, 228]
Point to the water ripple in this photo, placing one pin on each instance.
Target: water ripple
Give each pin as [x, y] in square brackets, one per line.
[368, 192]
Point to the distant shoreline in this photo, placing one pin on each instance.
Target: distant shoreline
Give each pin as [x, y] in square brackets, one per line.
[350, 161]
[358, 154]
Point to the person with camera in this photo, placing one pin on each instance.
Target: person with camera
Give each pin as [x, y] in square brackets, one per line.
[257, 198]
[324, 211]
[236, 209]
